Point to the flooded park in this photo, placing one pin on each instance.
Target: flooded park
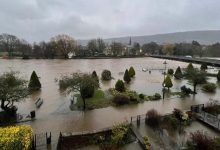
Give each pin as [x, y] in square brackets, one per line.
[55, 114]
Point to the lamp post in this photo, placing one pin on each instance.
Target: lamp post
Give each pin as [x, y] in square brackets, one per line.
[165, 66]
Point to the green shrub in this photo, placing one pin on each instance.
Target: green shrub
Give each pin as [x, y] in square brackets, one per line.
[106, 75]
[170, 122]
[157, 96]
[120, 99]
[95, 76]
[127, 78]
[34, 83]
[190, 67]
[178, 73]
[204, 66]
[170, 71]
[141, 96]
[218, 76]
[119, 86]
[131, 72]
[185, 90]
[119, 134]
[209, 87]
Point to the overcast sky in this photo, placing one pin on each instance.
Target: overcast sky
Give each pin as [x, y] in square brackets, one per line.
[37, 20]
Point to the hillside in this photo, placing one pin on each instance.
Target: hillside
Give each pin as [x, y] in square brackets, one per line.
[203, 37]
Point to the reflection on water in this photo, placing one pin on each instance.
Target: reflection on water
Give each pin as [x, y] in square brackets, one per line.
[55, 115]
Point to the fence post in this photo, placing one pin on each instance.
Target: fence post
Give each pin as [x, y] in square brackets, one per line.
[138, 120]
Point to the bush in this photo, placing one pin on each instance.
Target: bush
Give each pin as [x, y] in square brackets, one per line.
[119, 134]
[170, 71]
[178, 114]
[131, 72]
[141, 96]
[120, 99]
[127, 78]
[204, 66]
[34, 83]
[17, 137]
[178, 73]
[200, 141]
[209, 87]
[156, 96]
[147, 143]
[119, 86]
[106, 75]
[185, 90]
[153, 118]
[218, 76]
[170, 122]
[190, 67]
[95, 76]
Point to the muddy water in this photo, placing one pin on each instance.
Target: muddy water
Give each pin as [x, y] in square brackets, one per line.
[54, 115]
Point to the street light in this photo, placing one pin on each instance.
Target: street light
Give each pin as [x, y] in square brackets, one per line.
[165, 66]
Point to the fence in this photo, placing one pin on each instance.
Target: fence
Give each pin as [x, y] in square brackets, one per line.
[41, 141]
[207, 118]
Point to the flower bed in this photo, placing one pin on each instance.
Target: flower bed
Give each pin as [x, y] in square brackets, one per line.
[16, 137]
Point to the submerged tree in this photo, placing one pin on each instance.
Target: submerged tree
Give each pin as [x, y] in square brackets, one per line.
[119, 86]
[34, 83]
[178, 73]
[106, 75]
[82, 83]
[95, 76]
[196, 77]
[12, 89]
[168, 82]
[131, 72]
[127, 78]
[204, 66]
[218, 76]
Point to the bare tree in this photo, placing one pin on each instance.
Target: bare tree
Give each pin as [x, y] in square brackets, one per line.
[63, 44]
[9, 43]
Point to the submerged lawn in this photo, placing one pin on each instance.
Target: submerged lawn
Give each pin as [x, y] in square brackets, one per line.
[99, 100]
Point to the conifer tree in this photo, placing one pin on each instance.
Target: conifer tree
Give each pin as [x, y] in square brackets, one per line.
[127, 78]
[178, 73]
[168, 82]
[34, 83]
[131, 72]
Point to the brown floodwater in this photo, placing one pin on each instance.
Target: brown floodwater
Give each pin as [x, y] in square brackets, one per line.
[55, 115]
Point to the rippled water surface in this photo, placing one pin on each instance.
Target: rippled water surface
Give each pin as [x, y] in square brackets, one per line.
[54, 115]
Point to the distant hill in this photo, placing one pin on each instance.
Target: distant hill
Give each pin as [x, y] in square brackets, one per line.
[203, 37]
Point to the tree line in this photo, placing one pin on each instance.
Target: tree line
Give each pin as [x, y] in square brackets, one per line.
[62, 45]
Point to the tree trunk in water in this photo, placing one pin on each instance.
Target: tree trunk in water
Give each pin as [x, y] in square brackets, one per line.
[194, 92]
[3, 104]
[84, 104]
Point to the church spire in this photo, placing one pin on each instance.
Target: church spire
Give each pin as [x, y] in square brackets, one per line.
[129, 41]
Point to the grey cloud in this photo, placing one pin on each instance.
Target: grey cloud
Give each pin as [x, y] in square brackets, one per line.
[37, 20]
